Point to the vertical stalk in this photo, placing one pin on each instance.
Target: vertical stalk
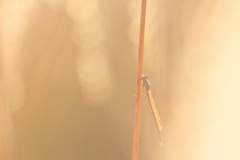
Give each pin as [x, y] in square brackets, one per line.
[139, 75]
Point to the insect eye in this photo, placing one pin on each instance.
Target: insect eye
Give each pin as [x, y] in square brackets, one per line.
[144, 77]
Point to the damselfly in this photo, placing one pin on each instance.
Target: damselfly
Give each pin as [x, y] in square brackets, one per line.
[147, 90]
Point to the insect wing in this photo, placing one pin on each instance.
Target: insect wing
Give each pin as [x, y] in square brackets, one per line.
[154, 109]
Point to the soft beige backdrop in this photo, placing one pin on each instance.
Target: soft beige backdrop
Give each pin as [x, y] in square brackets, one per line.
[68, 75]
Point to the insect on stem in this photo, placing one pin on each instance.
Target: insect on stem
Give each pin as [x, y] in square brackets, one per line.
[147, 90]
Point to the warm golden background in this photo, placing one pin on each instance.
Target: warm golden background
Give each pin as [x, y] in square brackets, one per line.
[68, 75]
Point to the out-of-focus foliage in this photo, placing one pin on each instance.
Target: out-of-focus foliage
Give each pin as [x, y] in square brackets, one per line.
[68, 75]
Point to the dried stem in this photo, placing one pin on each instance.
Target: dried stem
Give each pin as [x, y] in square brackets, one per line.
[139, 74]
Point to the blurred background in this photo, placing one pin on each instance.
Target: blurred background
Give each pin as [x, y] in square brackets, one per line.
[68, 75]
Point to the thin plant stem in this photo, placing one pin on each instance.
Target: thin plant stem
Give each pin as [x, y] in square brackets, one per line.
[139, 80]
